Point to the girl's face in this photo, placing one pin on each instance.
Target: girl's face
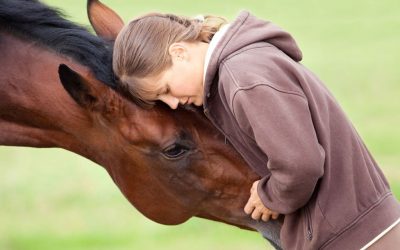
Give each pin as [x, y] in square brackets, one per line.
[183, 81]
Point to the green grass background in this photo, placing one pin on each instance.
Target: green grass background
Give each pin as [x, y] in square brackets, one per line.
[54, 199]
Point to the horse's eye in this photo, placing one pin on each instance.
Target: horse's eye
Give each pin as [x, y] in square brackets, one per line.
[175, 151]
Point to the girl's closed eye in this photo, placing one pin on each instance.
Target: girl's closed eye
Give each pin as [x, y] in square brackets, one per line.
[166, 91]
[163, 92]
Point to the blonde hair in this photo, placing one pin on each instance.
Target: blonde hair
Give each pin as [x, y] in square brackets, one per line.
[141, 48]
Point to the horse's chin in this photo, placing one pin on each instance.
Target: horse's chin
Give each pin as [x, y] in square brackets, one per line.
[170, 221]
[168, 218]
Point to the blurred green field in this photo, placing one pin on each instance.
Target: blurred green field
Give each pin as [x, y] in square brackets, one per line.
[53, 199]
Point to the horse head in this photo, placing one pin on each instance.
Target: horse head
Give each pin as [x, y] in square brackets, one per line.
[171, 165]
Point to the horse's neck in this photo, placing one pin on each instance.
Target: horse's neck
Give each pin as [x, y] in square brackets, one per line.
[33, 105]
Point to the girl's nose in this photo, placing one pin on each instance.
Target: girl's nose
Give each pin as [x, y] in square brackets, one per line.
[171, 101]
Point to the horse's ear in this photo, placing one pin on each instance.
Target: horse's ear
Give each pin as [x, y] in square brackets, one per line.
[85, 93]
[105, 22]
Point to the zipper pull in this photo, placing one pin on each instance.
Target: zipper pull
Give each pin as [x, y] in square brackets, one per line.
[226, 140]
[309, 235]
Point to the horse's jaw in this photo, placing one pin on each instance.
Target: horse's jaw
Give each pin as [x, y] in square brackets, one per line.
[269, 230]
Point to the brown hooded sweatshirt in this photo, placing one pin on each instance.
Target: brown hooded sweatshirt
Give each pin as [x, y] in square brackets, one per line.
[314, 167]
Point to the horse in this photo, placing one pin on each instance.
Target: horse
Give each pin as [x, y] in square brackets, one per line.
[57, 89]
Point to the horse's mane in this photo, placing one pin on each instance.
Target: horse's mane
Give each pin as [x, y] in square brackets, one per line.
[35, 21]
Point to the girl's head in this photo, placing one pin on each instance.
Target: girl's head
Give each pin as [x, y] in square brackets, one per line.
[161, 57]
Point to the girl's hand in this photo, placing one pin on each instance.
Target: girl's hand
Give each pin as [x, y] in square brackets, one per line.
[256, 208]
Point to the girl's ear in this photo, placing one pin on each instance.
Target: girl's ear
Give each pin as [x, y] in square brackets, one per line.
[178, 51]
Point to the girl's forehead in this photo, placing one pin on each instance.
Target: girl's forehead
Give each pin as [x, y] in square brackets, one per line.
[153, 83]
[151, 87]
[148, 87]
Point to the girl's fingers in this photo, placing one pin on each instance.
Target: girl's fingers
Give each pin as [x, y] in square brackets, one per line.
[249, 207]
[256, 215]
[275, 215]
[265, 217]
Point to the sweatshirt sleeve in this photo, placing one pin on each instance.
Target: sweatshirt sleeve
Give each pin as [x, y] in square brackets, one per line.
[281, 124]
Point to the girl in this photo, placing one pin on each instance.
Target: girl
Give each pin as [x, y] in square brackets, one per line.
[314, 168]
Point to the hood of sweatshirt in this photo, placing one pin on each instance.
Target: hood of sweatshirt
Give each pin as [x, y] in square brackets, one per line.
[247, 29]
